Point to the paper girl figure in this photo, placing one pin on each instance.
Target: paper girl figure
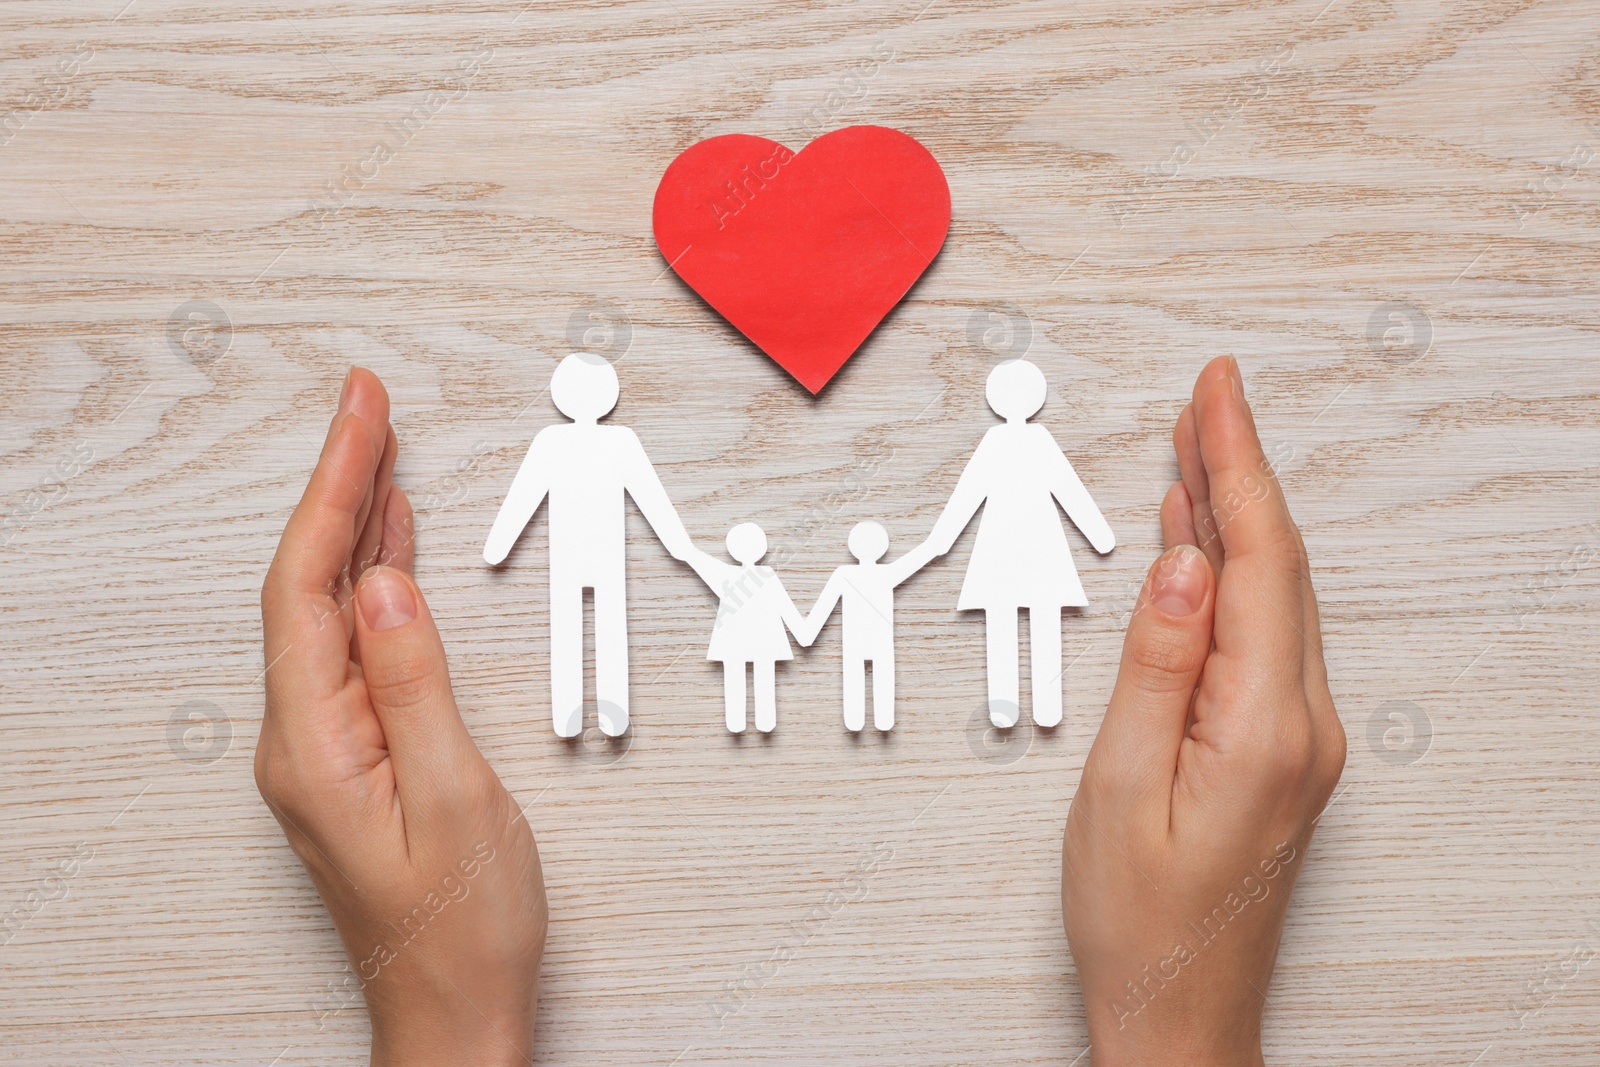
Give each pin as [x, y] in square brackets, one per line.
[1021, 560]
[749, 630]
[867, 589]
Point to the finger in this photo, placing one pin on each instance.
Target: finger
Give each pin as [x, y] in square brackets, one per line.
[371, 539]
[1186, 444]
[320, 536]
[399, 532]
[1186, 441]
[300, 598]
[1315, 669]
[1237, 471]
[365, 395]
[408, 683]
[1177, 518]
[1325, 715]
[1260, 613]
[1135, 755]
[1212, 373]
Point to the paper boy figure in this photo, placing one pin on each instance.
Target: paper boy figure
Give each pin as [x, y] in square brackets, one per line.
[867, 589]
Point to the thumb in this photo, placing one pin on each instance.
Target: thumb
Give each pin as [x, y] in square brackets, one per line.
[1135, 756]
[408, 683]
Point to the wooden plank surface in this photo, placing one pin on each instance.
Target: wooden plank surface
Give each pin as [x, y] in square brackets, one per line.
[1387, 211]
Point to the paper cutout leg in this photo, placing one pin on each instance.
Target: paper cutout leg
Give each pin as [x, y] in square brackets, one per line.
[855, 694]
[765, 683]
[1044, 663]
[566, 657]
[733, 695]
[883, 692]
[1004, 688]
[611, 657]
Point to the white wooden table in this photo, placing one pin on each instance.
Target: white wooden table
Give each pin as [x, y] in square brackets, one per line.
[1388, 212]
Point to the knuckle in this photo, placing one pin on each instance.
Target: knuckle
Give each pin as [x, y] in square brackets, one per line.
[1333, 751]
[277, 782]
[1292, 755]
[1163, 660]
[483, 792]
[263, 770]
[1098, 786]
[272, 594]
[407, 680]
[1281, 542]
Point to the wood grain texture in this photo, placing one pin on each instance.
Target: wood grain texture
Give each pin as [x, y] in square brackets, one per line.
[1146, 186]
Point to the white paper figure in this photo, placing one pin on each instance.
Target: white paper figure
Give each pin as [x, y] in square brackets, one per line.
[749, 631]
[867, 589]
[584, 469]
[1021, 559]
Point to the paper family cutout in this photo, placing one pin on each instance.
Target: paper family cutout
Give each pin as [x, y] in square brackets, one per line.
[1020, 561]
[803, 252]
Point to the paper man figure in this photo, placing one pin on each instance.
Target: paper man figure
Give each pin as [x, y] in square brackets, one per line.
[749, 631]
[1021, 560]
[584, 469]
[867, 589]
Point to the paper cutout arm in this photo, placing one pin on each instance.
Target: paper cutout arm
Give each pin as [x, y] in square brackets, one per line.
[827, 600]
[1074, 499]
[527, 492]
[910, 563]
[644, 485]
[713, 571]
[969, 495]
[791, 616]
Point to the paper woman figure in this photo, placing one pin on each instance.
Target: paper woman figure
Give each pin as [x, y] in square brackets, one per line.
[867, 589]
[1021, 560]
[584, 469]
[749, 632]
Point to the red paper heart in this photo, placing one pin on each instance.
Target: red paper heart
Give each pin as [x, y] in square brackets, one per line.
[804, 252]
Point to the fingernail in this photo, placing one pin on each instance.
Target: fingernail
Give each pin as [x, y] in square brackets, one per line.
[344, 390]
[384, 599]
[1178, 585]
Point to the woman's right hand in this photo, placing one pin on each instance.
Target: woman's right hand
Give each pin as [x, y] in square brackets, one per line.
[1219, 750]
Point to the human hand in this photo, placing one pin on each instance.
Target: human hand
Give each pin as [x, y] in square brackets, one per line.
[423, 859]
[1219, 750]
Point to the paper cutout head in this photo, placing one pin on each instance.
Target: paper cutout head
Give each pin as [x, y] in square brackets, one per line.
[868, 542]
[1016, 390]
[747, 542]
[584, 387]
